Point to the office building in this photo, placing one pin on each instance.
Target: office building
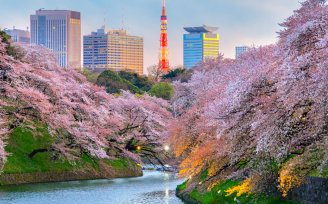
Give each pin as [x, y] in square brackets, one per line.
[60, 31]
[19, 36]
[114, 50]
[200, 43]
[240, 50]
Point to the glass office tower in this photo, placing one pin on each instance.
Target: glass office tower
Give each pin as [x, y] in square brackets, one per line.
[200, 43]
[60, 31]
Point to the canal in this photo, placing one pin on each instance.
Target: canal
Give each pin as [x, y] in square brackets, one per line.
[153, 187]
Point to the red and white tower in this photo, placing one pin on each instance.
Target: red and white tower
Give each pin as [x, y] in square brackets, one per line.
[164, 50]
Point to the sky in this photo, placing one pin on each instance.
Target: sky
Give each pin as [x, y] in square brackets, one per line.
[240, 22]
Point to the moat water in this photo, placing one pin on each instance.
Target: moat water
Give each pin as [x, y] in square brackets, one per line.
[154, 187]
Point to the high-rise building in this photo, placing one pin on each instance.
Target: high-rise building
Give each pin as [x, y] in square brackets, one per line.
[114, 50]
[164, 50]
[20, 36]
[240, 50]
[200, 43]
[60, 31]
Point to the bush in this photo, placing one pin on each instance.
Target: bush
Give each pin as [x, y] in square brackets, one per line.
[91, 76]
[178, 74]
[162, 90]
[5, 38]
[173, 73]
[16, 52]
[114, 83]
[142, 82]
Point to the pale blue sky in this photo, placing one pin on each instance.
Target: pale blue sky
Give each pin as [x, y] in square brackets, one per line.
[240, 22]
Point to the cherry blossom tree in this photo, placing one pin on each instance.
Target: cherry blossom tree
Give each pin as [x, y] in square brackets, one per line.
[259, 109]
[82, 116]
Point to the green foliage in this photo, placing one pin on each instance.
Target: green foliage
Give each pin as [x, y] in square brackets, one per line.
[120, 163]
[117, 81]
[16, 52]
[322, 174]
[204, 175]
[91, 76]
[182, 186]
[22, 141]
[87, 159]
[5, 37]
[174, 73]
[242, 164]
[162, 90]
[31, 136]
[142, 82]
[218, 195]
[307, 162]
[114, 83]
[8, 108]
[11, 50]
[178, 74]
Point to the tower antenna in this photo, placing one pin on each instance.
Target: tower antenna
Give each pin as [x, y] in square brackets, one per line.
[122, 18]
[105, 18]
[164, 51]
[105, 13]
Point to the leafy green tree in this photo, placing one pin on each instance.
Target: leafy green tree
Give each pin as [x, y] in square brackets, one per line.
[91, 76]
[162, 90]
[114, 83]
[174, 73]
[177, 74]
[141, 82]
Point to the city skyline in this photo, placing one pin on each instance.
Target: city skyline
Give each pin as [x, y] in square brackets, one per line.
[133, 15]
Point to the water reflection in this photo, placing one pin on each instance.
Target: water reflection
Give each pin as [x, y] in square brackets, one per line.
[153, 187]
[156, 197]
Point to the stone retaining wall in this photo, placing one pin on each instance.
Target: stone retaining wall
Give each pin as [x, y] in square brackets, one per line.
[313, 191]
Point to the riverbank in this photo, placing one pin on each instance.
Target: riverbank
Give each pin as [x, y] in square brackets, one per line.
[105, 172]
[31, 160]
[313, 190]
[192, 193]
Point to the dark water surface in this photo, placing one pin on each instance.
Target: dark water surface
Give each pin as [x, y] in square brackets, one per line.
[154, 187]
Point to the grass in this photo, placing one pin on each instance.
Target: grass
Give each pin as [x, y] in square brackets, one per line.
[28, 137]
[87, 160]
[182, 186]
[204, 175]
[218, 195]
[323, 174]
[119, 164]
[9, 108]
[22, 142]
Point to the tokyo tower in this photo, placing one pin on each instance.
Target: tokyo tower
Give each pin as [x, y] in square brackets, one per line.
[164, 51]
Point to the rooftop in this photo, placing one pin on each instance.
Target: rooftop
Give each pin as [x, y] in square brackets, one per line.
[201, 29]
[74, 14]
